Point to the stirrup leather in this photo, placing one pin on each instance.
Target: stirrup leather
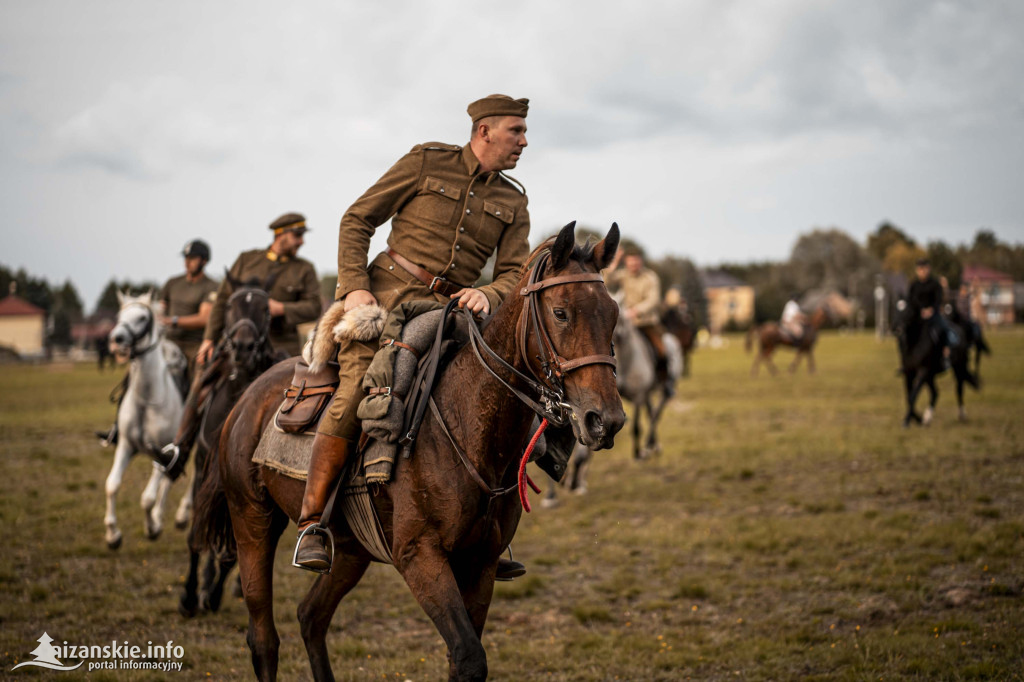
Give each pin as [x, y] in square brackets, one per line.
[314, 529]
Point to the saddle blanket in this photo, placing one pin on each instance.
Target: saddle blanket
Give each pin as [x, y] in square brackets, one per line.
[290, 455]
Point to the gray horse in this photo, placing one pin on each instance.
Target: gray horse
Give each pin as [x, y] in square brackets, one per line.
[637, 380]
[150, 411]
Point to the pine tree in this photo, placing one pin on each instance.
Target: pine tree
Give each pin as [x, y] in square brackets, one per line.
[45, 652]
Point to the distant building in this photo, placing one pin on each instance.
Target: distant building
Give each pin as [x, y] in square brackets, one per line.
[994, 291]
[22, 326]
[730, 300]
[93, 329]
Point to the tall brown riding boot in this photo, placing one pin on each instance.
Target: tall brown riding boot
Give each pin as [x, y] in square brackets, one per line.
[329, 456]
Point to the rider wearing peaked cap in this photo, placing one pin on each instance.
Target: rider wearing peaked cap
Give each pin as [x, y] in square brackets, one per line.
[451, 207]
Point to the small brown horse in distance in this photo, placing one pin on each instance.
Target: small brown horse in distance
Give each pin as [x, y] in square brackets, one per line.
[770, 335]
[446, 532]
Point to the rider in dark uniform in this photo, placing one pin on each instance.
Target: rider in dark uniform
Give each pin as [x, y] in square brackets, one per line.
[925, 299]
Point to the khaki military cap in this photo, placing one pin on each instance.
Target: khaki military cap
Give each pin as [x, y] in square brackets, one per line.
[498, 105]
[289, 222]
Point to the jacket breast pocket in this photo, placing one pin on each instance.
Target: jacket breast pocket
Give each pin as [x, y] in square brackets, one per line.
[438, 201]
[496, 217]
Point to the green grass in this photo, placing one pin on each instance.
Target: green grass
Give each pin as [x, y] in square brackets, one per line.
[789, 530]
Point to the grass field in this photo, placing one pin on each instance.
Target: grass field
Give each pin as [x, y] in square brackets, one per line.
[789, 530]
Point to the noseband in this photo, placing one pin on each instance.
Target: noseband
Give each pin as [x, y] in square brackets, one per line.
[554, 368]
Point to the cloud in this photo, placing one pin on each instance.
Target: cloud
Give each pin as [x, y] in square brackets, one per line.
[146, 132]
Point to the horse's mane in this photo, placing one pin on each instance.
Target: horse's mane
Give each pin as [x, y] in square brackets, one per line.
[583, 253]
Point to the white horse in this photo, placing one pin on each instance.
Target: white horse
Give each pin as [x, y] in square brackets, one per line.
[150, 410]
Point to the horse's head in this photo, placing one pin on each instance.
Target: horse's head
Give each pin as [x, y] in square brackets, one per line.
[247, 320]
[565, 332]
[137, 324]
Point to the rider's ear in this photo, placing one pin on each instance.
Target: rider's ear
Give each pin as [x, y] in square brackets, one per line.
[604, 250]
[563, 246]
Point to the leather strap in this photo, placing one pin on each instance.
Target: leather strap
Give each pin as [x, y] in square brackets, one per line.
[394, 342]
[561, 279]
[433, 282]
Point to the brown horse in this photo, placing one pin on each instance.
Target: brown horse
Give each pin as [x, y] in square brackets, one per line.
[770, 335]
[446, 522]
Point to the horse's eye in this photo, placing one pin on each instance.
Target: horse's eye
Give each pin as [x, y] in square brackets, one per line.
[560, 314]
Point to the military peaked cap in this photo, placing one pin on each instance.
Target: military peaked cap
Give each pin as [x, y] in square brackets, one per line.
[289, 222]
[498, 105]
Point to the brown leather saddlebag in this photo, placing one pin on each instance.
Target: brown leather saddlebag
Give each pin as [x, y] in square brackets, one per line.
[307, 397]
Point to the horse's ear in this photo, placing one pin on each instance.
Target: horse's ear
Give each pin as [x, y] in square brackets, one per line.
[146, 298]
[565, 242]
[604, 250]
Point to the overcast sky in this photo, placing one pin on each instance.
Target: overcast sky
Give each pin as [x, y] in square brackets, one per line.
[715, 130]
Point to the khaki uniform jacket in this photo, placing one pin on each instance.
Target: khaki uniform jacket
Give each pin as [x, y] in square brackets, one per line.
[295, 286]
[182, 297]
[446, 217]
[641, 292]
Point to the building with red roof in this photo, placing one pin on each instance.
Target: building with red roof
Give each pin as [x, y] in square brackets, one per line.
[994, 291]
[22, 326]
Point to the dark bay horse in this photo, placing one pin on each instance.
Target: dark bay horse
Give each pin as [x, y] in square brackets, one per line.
[770, 336]
[243, 353]
[921, 360]
[446, 522]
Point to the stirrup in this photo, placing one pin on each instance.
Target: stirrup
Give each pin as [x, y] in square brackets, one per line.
[314, 529]
[166, 466]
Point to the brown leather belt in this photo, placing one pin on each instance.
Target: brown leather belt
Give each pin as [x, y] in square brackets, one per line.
[433, 282]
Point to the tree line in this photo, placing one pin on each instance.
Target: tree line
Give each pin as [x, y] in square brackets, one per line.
[821, 259]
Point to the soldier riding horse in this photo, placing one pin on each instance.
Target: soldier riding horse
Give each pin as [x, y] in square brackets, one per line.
[450, 509]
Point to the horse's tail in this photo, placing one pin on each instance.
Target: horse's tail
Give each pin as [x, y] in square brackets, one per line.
[211, 524]
[748, 343]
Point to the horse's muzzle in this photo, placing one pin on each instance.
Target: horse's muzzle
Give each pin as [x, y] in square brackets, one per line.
[598, 429]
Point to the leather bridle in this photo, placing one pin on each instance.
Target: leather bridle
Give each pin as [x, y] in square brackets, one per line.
[550, 384]
[228, 338]
[147, 329]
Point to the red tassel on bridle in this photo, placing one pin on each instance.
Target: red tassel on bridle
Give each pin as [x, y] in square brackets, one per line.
[524, 478]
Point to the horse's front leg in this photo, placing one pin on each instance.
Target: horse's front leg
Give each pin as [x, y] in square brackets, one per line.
[914, 384]
[184, 512]
[154, 500]
[122, 455]
[796, 361]
[810, 362]
[429, 576]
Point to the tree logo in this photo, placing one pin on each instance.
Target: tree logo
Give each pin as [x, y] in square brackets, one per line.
[46, 656]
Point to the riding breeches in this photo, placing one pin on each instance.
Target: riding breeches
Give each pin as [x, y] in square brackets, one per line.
[354, 357]
[655, 335]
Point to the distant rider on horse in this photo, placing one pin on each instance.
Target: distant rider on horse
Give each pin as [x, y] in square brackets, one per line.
[451, 208]
[641, 299]
[187, 300]
[924, 299]
[793, 321]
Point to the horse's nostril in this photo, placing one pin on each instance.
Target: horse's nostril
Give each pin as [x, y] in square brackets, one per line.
[594, 423]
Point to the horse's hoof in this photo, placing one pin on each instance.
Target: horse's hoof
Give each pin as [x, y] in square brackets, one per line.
[181, 524]
[926, 420]
[115, 544]
[549, 503]
[153, 534]
[187, 607]
[580, 490]
[962, 415]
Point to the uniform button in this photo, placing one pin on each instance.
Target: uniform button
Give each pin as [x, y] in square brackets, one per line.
[497, 213]
[471, 194]
[458, 248]
[391, 267]
[468, 211]
[441, 190]
[462, 229]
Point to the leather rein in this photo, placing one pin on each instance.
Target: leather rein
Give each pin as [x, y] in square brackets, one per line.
[551, 405]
